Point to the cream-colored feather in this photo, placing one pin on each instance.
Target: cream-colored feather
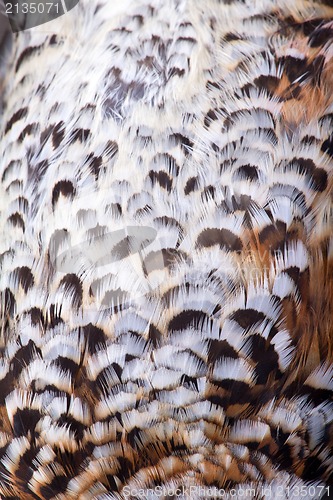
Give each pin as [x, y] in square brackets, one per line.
[166, 252]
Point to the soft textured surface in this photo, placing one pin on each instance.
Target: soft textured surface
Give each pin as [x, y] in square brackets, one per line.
[166, 252]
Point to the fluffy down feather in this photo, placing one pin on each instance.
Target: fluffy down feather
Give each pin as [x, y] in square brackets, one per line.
[166, 252]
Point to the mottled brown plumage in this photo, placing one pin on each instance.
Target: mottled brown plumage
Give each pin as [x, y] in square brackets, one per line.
[166, 252]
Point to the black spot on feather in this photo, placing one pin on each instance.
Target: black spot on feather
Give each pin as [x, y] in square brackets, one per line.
[222, 237]
[95, 163]
[273, 236]
[25, 420]
[320, 36]
[36, 316]
[32, 127]
[319, 180]
[327, 146]
[268, 83]
[26, 54]
[57, 486]
[191, 185]
[17, 220]
[248, 317]
[79, 134]
[54, 317]
[294, 68]
[248, 172]
[25, 355]
[72, 287]
[18, 115]
[64, 187]
[24, 277]
[162, 178]
[220, 349]
[95, 337]
[154, 335]
[58, 133]
[186, 319]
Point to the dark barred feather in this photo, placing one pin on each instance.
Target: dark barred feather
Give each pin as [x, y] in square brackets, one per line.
[166, 252]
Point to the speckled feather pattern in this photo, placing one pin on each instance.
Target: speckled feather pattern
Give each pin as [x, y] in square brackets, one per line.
[205, 358]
